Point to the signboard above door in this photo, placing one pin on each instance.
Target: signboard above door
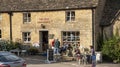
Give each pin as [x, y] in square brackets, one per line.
[44, 20]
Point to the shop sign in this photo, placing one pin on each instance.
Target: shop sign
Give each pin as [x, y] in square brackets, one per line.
[43, 20]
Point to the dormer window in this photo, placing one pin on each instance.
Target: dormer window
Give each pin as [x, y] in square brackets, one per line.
[26, 17]
[70, 16]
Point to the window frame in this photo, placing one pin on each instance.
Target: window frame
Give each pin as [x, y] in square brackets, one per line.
[66, 37]
[69, 16]
[26, 17]
[26, 36]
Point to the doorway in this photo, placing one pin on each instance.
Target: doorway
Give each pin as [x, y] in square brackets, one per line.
[43, 37]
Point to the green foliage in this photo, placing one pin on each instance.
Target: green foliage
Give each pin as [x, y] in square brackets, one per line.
[111, 48]
[3, 44]
[100, 40]
[9, 45]
[33, 50]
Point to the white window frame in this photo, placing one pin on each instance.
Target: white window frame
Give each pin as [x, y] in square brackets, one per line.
[26, 37]
[26, 17]
[72, 37]
[69, 16]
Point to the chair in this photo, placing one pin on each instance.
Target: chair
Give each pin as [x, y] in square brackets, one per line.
[15, 51]
[23, 52]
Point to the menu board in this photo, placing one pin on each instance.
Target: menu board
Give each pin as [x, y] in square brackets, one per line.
[50, 54]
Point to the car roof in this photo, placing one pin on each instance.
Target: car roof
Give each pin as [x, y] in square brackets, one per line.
[4, 53]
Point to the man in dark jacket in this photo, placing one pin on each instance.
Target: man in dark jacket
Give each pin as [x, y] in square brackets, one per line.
[57, 46]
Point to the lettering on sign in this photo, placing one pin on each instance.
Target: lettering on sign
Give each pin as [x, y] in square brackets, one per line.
[43, 20]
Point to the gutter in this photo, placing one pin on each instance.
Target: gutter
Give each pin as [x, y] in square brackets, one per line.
[93, 29]
[47, 10]
[10, 17]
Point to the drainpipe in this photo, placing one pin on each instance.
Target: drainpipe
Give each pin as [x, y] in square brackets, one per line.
[93, 28]
[102, 28]
[10, 17]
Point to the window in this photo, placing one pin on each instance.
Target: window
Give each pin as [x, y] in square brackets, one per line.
[70, 16]
[26, 17]
[26, 37]
[0, 17]
[0, 34]
[72, 37]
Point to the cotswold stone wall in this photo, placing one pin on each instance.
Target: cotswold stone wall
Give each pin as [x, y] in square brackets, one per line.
[5, 26]
[54, 22]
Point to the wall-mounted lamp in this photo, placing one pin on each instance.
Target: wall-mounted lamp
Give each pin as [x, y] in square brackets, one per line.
[42, 26]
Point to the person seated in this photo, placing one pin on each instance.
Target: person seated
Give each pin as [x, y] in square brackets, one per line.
[77, 53]
[63, 48]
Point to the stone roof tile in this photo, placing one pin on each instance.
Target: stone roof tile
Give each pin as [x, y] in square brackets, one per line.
[110, 12]
[37, 5]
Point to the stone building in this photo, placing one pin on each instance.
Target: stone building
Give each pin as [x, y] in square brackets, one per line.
[41, 21]
[107, 19]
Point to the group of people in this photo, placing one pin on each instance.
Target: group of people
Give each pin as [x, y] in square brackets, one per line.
[66, 46]
[92, 57]
[60, 49]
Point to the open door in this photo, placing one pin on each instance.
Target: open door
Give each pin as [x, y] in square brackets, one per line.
[43, 36]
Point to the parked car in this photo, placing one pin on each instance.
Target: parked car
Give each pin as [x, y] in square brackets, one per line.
[8, 59]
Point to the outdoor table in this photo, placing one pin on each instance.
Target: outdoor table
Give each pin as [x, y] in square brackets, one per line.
[15, 51]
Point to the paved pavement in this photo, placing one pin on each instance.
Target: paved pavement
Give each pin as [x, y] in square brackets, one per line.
[39, 61]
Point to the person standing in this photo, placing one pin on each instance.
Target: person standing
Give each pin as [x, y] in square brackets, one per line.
[92, 50]
[56, 46]
[93, 58]
[52, 43]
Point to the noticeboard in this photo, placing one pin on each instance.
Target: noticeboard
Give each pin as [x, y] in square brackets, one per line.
[50, 55]
[51, 36]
